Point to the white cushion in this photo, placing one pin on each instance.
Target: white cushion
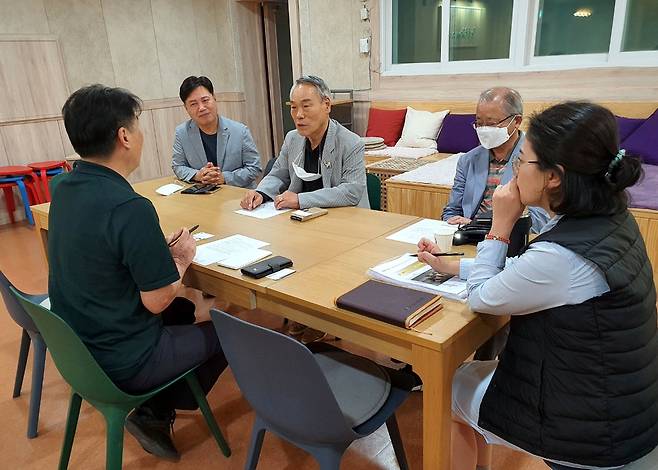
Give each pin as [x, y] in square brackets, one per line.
[421, 128]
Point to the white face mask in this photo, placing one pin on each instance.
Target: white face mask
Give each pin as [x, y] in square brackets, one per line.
[491, 136]
[305, 175]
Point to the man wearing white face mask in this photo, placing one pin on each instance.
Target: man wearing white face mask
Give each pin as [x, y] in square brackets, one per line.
[321, 162]
[498, 117]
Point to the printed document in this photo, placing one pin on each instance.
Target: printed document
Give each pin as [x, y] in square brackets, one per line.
[229, 247]
[407, 271]
[264, 211]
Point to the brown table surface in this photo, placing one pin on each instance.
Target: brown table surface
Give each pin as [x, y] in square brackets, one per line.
[331, 255]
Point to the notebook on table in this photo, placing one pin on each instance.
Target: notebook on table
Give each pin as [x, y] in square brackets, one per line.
[400, 306]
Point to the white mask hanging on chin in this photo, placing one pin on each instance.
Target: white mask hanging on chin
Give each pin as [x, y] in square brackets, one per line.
[492, 136]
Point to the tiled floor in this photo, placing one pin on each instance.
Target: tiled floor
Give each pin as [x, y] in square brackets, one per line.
[21, 259]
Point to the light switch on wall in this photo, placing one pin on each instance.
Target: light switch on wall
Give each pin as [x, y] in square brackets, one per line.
[364, 46]
[364, 13]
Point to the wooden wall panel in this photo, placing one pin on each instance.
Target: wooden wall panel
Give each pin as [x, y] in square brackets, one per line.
[149, 166]
[32, 142]
[66, 143]
[4, 160]
[32, 79]
[165, 121]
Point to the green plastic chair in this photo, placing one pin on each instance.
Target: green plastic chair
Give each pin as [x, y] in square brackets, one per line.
[89, 381]
[374, 191]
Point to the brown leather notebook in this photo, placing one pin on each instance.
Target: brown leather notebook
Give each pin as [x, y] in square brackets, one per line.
[393, 304]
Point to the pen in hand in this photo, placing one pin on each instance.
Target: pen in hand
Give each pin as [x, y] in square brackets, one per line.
[442, 254]
[175, 240]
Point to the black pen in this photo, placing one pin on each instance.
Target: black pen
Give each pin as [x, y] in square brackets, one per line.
[441, 254]
[173, 242]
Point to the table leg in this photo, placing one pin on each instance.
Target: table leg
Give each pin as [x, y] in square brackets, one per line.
[436, 370]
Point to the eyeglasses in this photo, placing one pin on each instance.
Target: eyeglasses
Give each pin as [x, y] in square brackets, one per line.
[516, 164]
[476, 124]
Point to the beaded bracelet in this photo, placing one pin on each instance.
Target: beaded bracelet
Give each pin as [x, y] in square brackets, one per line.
[489, 236]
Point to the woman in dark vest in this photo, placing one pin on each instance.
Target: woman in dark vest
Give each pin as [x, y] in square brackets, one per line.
[577, 383]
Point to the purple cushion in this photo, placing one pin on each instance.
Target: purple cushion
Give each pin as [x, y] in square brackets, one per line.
[457, 134]
[643, 194]
[643, 142]
[626, 126]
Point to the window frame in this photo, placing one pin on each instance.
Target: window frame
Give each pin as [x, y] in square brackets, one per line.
[521, 58]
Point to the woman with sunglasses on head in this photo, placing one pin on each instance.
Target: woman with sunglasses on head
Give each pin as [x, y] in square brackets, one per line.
[577, 383]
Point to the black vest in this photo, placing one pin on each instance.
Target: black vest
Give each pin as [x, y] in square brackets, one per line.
[579, 383]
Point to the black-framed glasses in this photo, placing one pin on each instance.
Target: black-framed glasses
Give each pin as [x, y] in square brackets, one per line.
[516, 164]
[475, 124]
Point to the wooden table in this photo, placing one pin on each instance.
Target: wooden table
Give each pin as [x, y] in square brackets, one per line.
[331, 256]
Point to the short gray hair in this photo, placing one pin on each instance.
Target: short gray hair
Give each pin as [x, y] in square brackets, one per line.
[511, 99]
[320, 86]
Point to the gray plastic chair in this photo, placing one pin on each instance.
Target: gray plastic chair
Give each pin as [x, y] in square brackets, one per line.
[286, 387]
[30, 334]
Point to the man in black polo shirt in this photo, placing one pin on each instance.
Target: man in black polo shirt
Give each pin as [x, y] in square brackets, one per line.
[113, 277]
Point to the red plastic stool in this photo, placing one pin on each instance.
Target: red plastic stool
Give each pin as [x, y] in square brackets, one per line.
[30, 179]
[8, 189]
[41, 168]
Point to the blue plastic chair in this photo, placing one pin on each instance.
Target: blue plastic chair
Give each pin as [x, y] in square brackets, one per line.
[18, 181]
[290, 393]
[30, 334]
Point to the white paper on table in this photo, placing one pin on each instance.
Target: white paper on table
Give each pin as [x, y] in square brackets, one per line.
[202, 236]
[264, 211]
[402, 270]
[441, 172]
[45, 303]
[219, 250]
[403, 152]
[168, 189]
[280, 274]
[423, 229]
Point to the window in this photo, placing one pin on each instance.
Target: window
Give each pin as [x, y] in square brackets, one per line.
[641, 26]
[416, 31]
[461, 36]
[566, 27]
[480, 30]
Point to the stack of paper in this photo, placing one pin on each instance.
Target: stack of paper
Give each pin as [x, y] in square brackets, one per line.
[407, 271]
[441, 172]
[234, 252]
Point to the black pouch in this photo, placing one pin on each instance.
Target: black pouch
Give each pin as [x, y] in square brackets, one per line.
[266, 267]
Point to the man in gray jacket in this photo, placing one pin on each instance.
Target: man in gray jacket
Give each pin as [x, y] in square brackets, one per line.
[209, 148]
[321, 162]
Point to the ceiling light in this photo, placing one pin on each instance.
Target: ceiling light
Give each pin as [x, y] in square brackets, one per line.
[583, 12]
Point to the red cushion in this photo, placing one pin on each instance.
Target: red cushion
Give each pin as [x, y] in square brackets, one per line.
[386, 123]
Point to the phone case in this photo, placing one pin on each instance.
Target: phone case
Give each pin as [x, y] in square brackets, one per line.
[265, 267]
[303, 215]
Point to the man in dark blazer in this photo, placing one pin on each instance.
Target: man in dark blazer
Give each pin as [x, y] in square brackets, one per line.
[209, 148]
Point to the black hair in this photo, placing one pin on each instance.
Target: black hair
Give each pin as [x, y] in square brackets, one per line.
[580, 141]
[93, 115]
[191, 83]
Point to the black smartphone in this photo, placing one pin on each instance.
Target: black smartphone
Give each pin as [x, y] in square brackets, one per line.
[266, 267]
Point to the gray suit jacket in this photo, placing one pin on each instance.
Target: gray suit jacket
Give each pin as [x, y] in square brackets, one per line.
[342, 168]
[471, 181]
[237, 154]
